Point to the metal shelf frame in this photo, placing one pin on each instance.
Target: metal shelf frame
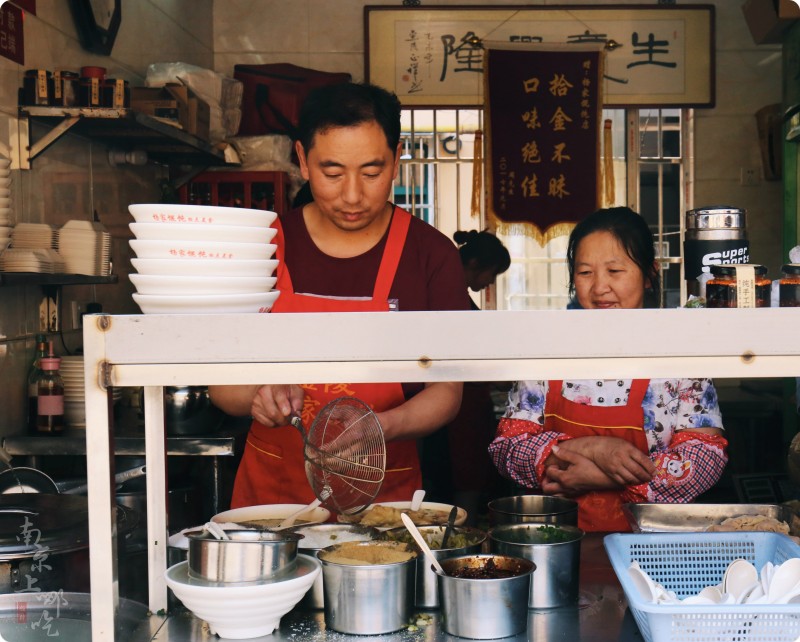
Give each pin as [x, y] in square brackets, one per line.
[163, 350]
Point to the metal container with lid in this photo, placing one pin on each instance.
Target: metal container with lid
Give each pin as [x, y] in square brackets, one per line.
[715, 234]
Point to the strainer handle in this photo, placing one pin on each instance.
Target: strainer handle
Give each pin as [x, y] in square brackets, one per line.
[297, 422]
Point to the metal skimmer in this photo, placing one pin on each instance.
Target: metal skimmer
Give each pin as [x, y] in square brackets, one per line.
[345, 455]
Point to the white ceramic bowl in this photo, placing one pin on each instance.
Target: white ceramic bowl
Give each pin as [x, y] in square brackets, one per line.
[205, 250]
[199, 232]
[461, 514]
[156, 284]
[5, 163]
[200, 214]
[203, 267]
[205, 303]
[273, 513]
[247, 610]
[5, 192]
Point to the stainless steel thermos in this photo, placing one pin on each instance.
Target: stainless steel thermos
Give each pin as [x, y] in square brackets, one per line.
[714, 235]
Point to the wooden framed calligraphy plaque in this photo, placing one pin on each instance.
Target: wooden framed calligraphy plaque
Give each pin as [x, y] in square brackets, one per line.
[433, 56]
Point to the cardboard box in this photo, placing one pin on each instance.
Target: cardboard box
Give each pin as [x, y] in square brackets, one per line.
[766, 25]
[174, 102]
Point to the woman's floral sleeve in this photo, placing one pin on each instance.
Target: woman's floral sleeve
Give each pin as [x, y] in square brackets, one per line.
[520, 449]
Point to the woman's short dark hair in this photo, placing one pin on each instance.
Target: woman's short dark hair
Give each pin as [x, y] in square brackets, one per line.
[484, 247]
[346, 105]
[633, 233]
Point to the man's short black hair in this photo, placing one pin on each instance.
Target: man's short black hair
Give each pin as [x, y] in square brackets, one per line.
[347, 105]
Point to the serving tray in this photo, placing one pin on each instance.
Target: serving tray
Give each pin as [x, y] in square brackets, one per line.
[684, 518]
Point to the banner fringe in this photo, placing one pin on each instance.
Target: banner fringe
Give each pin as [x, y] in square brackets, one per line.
[529, 230]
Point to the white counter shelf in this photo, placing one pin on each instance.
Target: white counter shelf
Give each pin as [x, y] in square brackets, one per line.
[155, 351]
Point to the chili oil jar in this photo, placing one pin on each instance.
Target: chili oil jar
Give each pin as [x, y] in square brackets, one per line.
[790, 286]
[37, 87]
[739, 285]
[65, 88]
[115, 93]
[89, 92]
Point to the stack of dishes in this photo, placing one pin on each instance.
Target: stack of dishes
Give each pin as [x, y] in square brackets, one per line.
[33, 236]
[202, 259]
[5, 204]
[86, 248]
[45, 261]
[74, 391]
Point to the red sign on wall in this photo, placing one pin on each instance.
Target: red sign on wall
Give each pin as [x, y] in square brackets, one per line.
[11, 40]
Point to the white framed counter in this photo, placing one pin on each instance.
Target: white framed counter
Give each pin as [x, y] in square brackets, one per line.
[164, 350]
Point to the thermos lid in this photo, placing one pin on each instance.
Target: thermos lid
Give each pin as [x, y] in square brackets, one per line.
[716, 217]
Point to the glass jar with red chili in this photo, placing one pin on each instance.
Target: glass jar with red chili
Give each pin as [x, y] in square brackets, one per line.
[722, 289]
[790, 286]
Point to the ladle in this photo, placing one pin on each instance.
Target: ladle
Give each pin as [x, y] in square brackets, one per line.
[420, 540]
[451, 520]
[416, 499]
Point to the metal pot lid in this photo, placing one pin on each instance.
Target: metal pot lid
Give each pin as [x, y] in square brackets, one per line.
[31, 523]
[716, 216]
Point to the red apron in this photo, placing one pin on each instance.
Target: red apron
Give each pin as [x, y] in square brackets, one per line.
[599, 510]
[272, 468]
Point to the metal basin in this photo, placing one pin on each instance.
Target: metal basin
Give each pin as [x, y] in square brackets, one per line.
[533, 509]
[484, 609]
[247, 556]
[555, 582]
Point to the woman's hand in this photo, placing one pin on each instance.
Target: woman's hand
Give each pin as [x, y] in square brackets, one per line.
[621, 461]
[572, 474]
[275, 405]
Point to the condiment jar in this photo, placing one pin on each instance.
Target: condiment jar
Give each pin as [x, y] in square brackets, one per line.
[37, 87]
[740, 285]
[790, 286]
[50, 406]
[65, 88]
[115, 93]
[89, 92]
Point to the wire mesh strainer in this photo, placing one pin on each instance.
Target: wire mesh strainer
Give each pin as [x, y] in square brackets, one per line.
[345, 455]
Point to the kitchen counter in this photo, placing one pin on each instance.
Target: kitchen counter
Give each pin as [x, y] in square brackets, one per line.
[600, 616]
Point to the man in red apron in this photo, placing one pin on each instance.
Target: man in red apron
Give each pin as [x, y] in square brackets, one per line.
[350, 250]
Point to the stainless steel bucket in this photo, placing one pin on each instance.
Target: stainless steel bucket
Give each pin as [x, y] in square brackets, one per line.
[533, 509]
[368, 599]
[484, 609]
[555, 582]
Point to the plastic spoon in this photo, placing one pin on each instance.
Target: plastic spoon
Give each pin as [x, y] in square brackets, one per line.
[420, 540]
[216, 530]
[290, 520]
[416, 499]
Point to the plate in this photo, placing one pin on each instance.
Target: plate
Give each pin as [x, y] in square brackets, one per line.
[205, 303]
[461, 515]
[271, 512]
[205, 250]
[200, 214]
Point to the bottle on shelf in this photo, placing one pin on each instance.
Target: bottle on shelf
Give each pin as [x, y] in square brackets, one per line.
[33, 381]
[50, 388]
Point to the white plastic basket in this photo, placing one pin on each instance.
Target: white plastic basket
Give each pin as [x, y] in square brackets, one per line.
[688, 562]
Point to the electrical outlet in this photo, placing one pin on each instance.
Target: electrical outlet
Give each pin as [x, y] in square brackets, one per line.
[748, 176]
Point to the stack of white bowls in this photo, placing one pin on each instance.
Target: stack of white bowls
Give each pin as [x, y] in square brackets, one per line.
[203, 259]
[71, 371]
[5, 203]
[85, 247]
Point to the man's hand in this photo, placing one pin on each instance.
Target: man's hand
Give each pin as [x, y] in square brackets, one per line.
[275, 405]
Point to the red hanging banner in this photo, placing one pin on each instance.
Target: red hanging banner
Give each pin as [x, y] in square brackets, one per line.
[11, 40]
[544, 107]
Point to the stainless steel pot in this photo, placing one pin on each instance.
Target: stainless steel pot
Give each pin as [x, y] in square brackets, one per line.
[533, 509]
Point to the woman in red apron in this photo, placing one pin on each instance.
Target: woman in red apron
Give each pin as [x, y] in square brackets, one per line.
[608, 442]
